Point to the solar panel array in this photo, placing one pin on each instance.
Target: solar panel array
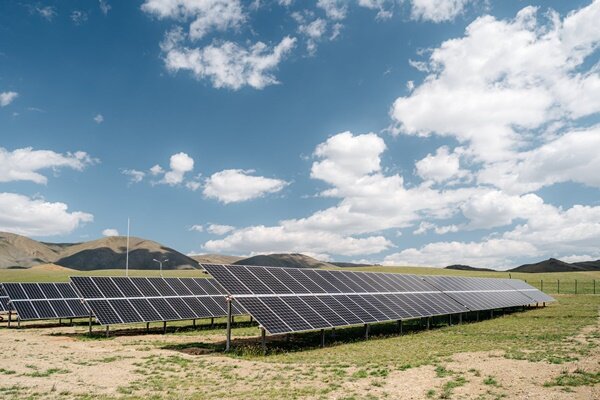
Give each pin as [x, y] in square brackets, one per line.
[479, 293]
[3, 300]
[294, 300]
[120, 300]
[35, 301]
[534, 293]
[287, 300]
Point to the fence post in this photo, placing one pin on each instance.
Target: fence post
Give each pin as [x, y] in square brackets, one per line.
[594, 286]
[575, 286]
[542, 285]
[558, 284]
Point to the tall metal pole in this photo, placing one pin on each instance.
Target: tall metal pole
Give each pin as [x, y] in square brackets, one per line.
[228, 344]
[127, 254]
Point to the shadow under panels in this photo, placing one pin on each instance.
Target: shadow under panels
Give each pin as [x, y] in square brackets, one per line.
[122, 300]
[38, 301]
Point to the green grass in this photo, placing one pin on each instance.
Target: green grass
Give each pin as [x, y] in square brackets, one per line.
[578, 378]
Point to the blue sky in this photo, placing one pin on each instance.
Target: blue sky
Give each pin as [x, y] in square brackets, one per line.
[421, 132]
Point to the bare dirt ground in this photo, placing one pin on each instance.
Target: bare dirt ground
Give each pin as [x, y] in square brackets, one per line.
[49, 362]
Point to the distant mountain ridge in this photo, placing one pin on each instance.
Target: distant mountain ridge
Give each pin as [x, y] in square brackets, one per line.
[554, 265]
[284, 260]
[18, 251]
[461, 267]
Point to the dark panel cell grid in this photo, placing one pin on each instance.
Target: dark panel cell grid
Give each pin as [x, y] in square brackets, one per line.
[32, 290]
[178, 286]
[164, 309]
[107, 287]
[264, 315]
[127, 287]
[145, 310]
[286, 314]
[144, 286]
[104, 312]
[87, 288]
[66, 291]
[307, 313]
[49, 291]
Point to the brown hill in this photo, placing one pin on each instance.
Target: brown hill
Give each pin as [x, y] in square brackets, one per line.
[106, 253]
[284, 260]
[461, 267]
[554, 265]
[215, 258]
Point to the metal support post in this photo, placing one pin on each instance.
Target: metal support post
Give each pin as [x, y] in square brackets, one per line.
[90, 325]
[558, 285]
[60, 321]
[107, 330]
[477, 316]
[251, 319]
[164, 327]
[366, 331]
[575, 286]
[263, 339]
[228, 343]
[9, 317]
[460, 318]
[147, 327]
[491, 313]
[542, 285]
[400, 326]
[450, 319]
[428, 322]
[194, 323]
[322, 338]
[544, 304]
[70, 321]
[212, 322]
[18, 322]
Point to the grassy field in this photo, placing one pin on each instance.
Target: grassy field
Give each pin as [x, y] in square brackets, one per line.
[549, 352]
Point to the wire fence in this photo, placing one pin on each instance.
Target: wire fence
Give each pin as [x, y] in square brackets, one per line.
[575, 286]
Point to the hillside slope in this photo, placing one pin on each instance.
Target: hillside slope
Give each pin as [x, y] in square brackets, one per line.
[104, 253]
[284, 260]
[554, 265]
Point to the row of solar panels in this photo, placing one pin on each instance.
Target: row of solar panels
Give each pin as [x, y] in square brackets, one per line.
[117, 300]
[285, 300]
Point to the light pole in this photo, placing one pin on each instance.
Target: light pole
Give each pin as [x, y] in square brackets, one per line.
[160, 262]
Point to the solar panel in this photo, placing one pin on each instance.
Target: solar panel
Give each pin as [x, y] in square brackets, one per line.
[480, 293]
[36, 301]
[121, 300]
[293, 300]
[3, 300]
[534, 293]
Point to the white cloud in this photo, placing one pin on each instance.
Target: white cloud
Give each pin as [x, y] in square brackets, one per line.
[110, 232]
[179, 164]
[227, 64]
[276, 239]
[570, 157]
[314, 31]
[36, 217]
[7, 97]
[134, 175]
[24, 164]
[437, 10]
[334, 9]
[197, 228]
[383, 7]
[441, 166]
[493, 253]
[47, 12]
[104, 6]
[99, 118]
[79, 17]
[206, 15]
[236, 185]
[157, 170]
[217, 229]
[285, 3]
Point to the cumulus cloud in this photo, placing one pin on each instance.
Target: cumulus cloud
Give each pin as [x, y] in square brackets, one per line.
[197, 228]
[79, 17]
[99, 118]
[383, 7]
[488, 253]
[490, 97]
[227, 64]
[334, 9]
[110, 232]
[217, 229]
[236, 185]
[206, 16]
[37, 217]
[46, 12]
[441, 166]
[24, 164]
[179, 165]
[437, 10]
[7, 97]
